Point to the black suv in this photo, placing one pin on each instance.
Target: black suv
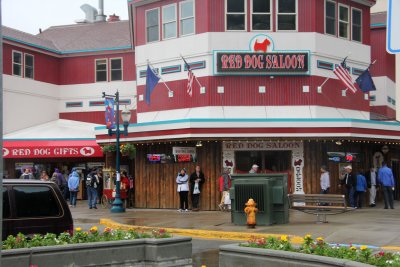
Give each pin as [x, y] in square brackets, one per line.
[34, 207]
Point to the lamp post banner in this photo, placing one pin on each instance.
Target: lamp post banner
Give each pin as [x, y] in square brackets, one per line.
[110, 112]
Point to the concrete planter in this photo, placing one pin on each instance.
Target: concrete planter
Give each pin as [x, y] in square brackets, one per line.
[234, 255]
[166, 252]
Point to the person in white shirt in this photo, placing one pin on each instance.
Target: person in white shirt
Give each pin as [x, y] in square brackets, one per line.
[325, 181]
[254, 168]
[372, 183]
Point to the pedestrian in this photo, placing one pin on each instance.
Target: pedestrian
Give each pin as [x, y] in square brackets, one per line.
[371, 177]
[196, 182]
[61, 182]
[92, 182]
[325, 180]
[386, 180]
[125, 185]
[361, 188]
[224, 186]
[254, 168]
[183, 188]
[350, 182]
[44, 176]
[100, 186]
[27, 175]
[73, 186]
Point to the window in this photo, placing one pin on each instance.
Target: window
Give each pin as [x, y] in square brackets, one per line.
[287, 15]
[343, 21]
[169, 21]
[152, 25]
[101, 70]
[235, 15]
[186, 17]
[35, 201]
[28, 66]
[6, 204]
[17, 63]
[116, 69]
[261, 15]
[356, 19]
[330, 17]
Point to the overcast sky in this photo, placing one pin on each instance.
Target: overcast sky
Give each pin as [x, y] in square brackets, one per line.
[30, 15]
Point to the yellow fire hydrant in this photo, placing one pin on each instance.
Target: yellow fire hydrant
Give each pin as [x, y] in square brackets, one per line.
[251, 211]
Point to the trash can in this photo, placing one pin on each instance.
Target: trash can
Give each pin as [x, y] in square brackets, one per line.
[269, 191]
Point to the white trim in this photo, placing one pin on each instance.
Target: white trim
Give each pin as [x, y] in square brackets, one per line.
[111, 69]
[33, 66]
[339, 21]
[336, 18]
[95, 69]
[145, 25]
[169, 22]
[244, 14]
[180, 18]
[270, 17]
[361, 24]
[21, 64]
[296, 14]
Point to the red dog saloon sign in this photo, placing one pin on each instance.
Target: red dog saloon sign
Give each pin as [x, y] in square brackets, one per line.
[262, 60]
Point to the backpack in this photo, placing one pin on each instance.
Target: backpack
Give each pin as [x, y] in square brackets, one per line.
[89, 180]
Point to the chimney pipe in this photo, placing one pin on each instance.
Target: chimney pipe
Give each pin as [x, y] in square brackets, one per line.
[101, 17]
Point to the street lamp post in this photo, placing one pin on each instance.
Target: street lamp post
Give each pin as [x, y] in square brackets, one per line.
[118, 205]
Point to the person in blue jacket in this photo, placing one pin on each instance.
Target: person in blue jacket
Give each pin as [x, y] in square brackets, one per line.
[361, 188]
[386, 180]
[73, 186]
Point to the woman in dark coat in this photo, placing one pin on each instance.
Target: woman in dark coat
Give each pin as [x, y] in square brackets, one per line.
[196, 181]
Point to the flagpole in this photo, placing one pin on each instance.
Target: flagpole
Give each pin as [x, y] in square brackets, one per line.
[324, 82]
[161, 78]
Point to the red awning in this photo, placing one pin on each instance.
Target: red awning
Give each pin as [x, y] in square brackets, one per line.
[51, 149]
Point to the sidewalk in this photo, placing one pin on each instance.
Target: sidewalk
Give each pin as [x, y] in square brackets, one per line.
[368, 226]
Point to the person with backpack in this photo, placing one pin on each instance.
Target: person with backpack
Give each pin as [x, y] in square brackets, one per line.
[92, 182]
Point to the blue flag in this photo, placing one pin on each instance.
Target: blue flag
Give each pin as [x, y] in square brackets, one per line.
[110, 113]
[365, 82]
[151, 82]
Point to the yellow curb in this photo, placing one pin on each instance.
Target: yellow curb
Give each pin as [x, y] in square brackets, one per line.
[391, 248]
[206, 234]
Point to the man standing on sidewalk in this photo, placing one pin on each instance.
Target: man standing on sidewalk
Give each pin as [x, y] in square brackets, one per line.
[371, 183]
[385, 176]
[92, 181]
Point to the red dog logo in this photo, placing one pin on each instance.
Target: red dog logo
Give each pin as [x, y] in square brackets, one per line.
[261, 47]
[298, 162]
[228, 163]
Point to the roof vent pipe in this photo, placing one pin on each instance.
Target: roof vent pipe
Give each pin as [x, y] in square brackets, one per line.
[101, 16]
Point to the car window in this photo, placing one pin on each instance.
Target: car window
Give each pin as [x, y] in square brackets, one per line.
[35, 201]
[6, 203]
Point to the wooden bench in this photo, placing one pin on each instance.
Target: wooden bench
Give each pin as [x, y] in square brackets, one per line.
[319, 204]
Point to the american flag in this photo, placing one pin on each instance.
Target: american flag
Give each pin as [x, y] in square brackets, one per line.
[344, 76]
[191, 77]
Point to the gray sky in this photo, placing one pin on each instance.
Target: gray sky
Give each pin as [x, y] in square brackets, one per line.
[30, 15]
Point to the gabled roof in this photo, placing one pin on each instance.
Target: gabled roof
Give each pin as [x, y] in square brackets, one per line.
[76, 38]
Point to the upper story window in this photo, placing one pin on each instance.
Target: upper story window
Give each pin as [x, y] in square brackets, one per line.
[235, 15]
[169, 21]
[28, 71]
[287, 15]
[186, 14]
[17, 63]
[356, 22]
[330, 17]
[343, 21]
[101, 70]
[261, 15]
[152, 25]
[116, 69]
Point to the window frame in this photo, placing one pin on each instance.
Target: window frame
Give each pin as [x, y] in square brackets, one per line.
[181, 19]
[339, 21]
[159, 20]
[256, 13]
[361, 25]
[33, 66]
[20, 64]
[111, 69]
[336, 18]
[95, 69]
[244, 13]
[277, 17]
[172, 21]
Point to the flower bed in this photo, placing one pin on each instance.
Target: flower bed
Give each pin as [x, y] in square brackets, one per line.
[319, 247]
[95, 248]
